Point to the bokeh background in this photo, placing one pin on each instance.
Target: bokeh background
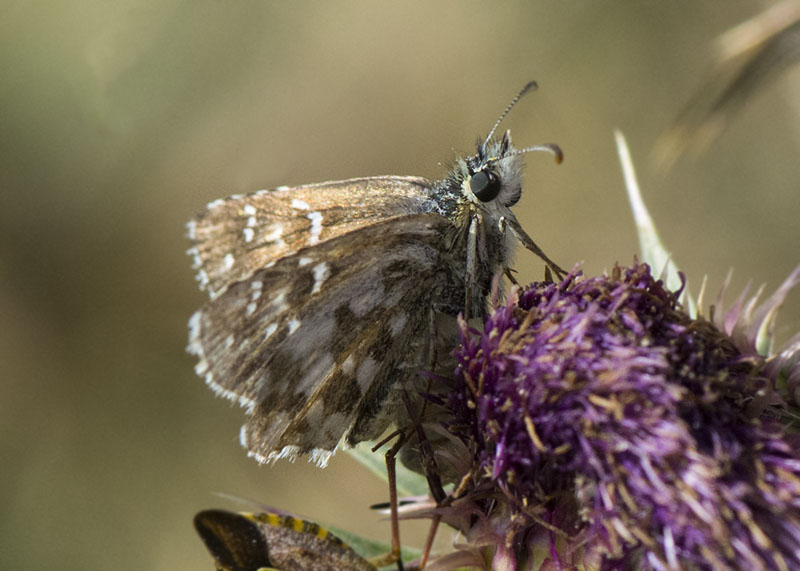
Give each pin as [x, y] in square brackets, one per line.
[120, 120]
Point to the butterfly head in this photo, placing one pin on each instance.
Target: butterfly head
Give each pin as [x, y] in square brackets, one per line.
[491, 179]
[494, 174]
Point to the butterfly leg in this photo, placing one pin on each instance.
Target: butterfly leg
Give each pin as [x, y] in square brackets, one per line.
[471, 281]
[427, 457]
[528, 242]
[431, 472]
[391, 474]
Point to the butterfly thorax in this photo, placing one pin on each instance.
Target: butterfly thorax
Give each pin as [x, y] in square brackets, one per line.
[484, 214]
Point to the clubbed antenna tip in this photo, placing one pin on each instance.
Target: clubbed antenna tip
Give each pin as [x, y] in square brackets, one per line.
[530, 86]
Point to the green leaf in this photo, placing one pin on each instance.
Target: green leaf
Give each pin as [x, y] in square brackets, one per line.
[408, 483]
[371, 548]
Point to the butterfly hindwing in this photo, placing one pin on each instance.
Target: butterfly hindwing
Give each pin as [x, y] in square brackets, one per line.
[315, 345]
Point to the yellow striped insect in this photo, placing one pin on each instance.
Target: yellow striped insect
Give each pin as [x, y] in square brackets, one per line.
[266, 541]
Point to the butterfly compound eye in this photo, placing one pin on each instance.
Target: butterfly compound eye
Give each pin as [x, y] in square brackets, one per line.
[485, 185]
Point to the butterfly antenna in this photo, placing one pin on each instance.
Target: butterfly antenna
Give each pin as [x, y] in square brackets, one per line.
[531, 85]
[552, 148]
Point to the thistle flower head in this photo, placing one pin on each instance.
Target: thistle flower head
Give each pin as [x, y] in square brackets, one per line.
[610, 428]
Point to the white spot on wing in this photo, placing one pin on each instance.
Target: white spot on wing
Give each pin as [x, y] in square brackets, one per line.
[290, 452]
[293, 325]
[271, 329]
[197, 263]
[320, 456]
[315, 369]
[319, 329]
[274, 234]
[279, 301]
[251, 222]
[202, 277]
[194, 333]
[366, 373]
[228, 261]
[248, 234]
[304, 261]
[214, 203]
[229, 341]
[348, 365]
[249, 210]
[361, 305]
[251, 308]
[321, 273]
[244, 401]
[316, 227]
[195, 346]
[397, 323]
[298, 204]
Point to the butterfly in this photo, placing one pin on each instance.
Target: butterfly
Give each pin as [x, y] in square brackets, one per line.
[255, 542]
[326, 300]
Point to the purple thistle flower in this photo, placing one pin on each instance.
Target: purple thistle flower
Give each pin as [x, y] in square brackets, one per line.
[611, 430]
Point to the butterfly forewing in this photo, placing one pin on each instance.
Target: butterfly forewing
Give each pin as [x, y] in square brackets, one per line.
[314, 345]
[237, 235]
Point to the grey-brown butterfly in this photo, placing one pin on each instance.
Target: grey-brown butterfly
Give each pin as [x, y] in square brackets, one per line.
[326, 300]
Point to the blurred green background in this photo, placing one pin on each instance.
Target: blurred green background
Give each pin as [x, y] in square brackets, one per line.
[120, 120]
